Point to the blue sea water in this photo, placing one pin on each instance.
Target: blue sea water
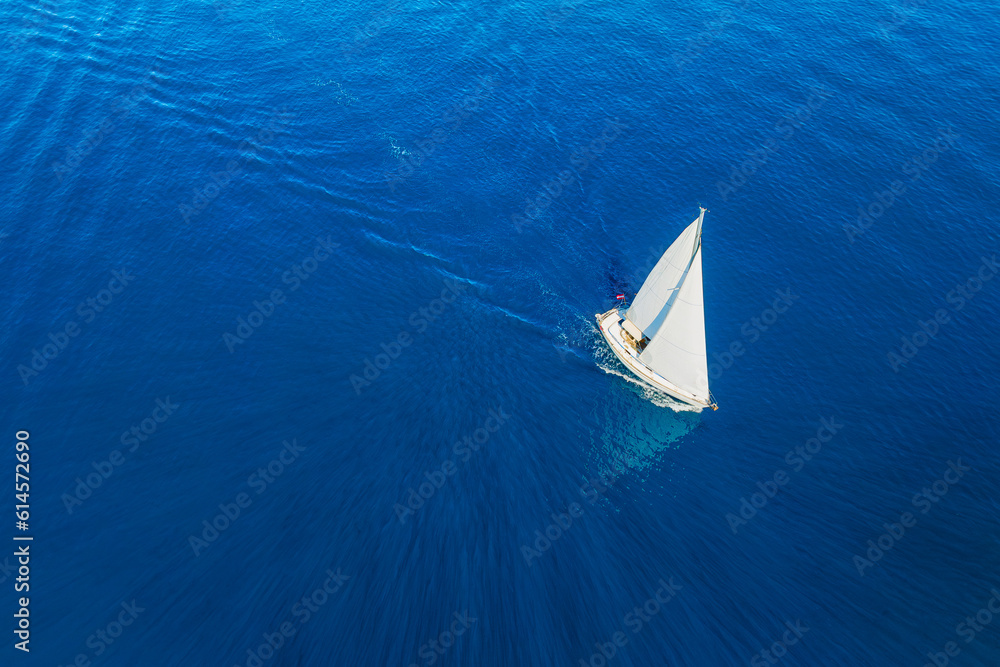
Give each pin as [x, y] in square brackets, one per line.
[445, 194]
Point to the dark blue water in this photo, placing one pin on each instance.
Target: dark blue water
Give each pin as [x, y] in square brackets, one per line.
[261, 201]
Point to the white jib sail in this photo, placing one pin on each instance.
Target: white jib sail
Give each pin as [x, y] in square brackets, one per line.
[677, 351]
[653, 302]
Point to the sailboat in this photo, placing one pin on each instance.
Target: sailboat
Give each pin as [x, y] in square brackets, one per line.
[661, 336]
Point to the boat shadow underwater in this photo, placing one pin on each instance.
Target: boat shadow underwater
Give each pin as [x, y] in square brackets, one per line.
[636, 436]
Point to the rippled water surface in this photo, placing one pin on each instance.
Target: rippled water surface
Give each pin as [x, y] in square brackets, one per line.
[263, 200]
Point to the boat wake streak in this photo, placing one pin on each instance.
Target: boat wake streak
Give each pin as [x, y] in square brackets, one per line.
[609, 363]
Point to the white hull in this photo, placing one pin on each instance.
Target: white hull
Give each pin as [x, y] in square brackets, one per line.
[610, 324]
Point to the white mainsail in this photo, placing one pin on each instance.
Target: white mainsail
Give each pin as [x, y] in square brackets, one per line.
[661, 337]
[677, 351]
[655, 299]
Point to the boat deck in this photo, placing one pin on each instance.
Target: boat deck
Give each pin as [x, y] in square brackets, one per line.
[610, 324]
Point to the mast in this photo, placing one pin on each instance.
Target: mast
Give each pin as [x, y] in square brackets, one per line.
[701, 218]
[652, 304]
[677, 349]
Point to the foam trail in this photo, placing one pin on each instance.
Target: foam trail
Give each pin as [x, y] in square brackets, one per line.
[648, 392]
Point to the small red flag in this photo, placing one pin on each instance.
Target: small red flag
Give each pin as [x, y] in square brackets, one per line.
[621, 296]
